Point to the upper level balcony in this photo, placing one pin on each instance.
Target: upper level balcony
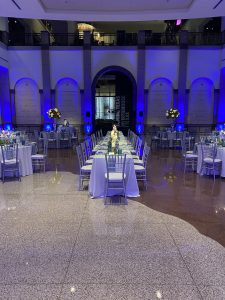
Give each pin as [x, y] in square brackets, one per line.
[120, 38]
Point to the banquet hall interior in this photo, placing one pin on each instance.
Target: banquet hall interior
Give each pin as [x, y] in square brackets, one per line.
[112, 137]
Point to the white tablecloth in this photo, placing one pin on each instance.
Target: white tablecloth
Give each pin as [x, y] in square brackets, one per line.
[25, 162]
[97, 179]
[221, 155]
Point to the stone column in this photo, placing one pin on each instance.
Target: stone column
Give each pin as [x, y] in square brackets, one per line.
[5, 105]
[216, 103]
[47, 103]
[140, 108]
[221, 104]
[182, 76]
[88, 117]
[42, 106]
[4, 30]
[13, 106]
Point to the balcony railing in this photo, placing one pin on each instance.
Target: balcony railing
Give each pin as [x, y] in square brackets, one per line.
[201, 38]
[120, 38]
[159, 39]
[28, 39]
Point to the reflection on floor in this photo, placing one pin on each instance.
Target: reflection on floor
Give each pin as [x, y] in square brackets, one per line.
[57, 243]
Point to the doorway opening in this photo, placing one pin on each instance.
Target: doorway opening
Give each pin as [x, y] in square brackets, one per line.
[114, 94]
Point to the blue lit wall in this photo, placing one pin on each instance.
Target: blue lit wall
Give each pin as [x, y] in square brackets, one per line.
[179, 127]
[88, 128]
[220, 127]
[5, 96]
[139, 128]
[48, 127]
[221, 105]
[8, 127]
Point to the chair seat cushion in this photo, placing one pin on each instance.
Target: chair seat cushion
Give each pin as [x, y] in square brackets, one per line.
[38, 156]
[138, 162]
[135, 156]
[209, 160]
[139, 168]
[89, 161]
[190, 155]
[9, 161]
[133, 152]
[86, 168]
[115, 176]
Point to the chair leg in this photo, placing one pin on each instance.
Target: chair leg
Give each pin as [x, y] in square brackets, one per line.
[80, 182]
[105, 193]
[3, 175]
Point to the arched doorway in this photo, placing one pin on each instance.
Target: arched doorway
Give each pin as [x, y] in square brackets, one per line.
[114, 94]
[27, 102]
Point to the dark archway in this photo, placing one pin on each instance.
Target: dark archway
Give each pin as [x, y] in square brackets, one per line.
[125, 94]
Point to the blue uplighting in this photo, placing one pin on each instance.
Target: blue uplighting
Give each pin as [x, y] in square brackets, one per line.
[179, 127]
[139, 128]
[8, 127]
[220, 127]
[88, 128]
[48, 127]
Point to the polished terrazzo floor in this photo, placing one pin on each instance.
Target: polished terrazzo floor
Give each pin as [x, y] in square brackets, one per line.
[57, 243]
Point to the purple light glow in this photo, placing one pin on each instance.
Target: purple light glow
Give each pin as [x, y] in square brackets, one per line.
[140, 128]
[88, 128]
[178, 22]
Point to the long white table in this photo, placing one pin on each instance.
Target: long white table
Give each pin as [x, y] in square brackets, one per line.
[97, 179]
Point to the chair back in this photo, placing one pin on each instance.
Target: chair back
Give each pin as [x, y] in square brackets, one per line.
[83, 150]
[88, 147]
[139, 147]
[163, 135]
[128, 134]
[179, 135]
[146, 153]
[52, 135]
[208, 151]
[36, 134]
[45, 149]
[93, 140]
[115, 164]
[9, 152]
[79, 156]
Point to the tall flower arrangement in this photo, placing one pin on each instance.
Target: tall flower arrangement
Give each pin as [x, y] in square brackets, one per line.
[54, 113]
[172, 113]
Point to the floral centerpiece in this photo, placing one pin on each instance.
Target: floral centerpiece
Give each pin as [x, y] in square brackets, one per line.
[172, 113]
[54, 113]
[7, 137]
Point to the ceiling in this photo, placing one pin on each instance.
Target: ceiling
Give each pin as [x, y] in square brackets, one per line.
[108, 10]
